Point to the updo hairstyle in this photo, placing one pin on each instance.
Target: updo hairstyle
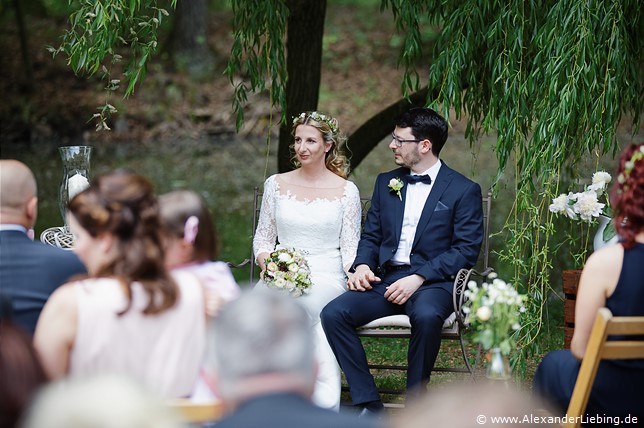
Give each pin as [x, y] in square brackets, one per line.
[124, 205]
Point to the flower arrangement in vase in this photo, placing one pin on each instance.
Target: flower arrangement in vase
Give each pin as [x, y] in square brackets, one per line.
[587, 206]
[493, 310]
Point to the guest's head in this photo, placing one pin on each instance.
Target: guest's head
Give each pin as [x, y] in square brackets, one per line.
[18, 194]
[21, 374]
[103, 401]
[627, 197]
[313, 126]
[264, 345]
[188, 230]
[467, 405]
[116, 225]
[423, 124]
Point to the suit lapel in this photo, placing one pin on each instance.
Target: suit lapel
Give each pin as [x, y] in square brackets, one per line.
[399, 209]
[442, 181]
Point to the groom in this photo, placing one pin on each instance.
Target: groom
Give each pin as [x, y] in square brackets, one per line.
[425, 224]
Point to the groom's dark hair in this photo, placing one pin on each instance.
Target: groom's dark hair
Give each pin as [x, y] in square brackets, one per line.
[425, 123]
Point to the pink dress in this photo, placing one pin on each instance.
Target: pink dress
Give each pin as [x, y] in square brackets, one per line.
[216, 277]
[164, 352]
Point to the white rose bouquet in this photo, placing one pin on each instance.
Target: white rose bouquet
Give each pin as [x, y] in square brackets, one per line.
[287, 270]
[493, 310]
[587, 204]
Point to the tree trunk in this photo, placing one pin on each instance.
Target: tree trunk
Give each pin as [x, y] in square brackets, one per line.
[189, 43]
[370, 133]
[305, 29]
[24, 47]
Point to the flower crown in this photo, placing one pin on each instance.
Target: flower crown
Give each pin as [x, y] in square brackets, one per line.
[638, 155]
[318, 117]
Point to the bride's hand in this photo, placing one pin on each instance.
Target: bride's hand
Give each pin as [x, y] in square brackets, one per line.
[261, 261]
[361, 279]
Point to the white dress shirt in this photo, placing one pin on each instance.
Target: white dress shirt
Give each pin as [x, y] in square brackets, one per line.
[416, 196]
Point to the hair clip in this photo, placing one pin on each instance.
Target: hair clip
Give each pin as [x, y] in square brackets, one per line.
[637, 156]
[190, 229]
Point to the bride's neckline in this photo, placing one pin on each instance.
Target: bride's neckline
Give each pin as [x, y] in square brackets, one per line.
[283, 183]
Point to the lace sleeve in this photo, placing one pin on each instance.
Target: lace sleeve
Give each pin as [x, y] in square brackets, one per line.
[266, 234]
[350, 234]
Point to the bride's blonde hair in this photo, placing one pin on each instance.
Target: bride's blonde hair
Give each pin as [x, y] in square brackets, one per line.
[336, 160]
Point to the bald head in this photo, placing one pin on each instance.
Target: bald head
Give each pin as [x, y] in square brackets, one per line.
[17, 193]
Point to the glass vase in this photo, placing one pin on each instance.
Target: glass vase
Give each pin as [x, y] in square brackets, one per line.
[76, 161]
[600, 240]
[498, 367]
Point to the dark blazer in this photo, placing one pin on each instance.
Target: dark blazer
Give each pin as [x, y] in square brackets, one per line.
[449, 233]
[289, 410]
[29, 272]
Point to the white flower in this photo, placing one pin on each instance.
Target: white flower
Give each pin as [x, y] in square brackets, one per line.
[600, 181]
[279, 282]
[587, 205]
[284, 257]
[484, 313]
[561, 204]
[395, 184]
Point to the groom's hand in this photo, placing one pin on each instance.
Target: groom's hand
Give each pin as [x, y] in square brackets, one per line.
[361, 279]
[400, 291]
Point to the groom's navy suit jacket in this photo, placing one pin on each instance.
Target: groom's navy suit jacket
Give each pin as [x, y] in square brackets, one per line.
[448, 236]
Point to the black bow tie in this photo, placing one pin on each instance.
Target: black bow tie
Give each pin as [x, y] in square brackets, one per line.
[413, 179]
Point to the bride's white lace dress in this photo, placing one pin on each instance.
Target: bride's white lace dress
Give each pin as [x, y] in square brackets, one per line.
[325, 225]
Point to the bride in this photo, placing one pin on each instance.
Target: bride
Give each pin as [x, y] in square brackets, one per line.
[315, 210]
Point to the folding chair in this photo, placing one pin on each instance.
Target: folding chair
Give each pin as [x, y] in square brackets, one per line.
[600, 348]
[197, 412]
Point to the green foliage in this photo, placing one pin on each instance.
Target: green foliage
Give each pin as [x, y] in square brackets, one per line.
[552, 79]
[258, 52]
[98, 29]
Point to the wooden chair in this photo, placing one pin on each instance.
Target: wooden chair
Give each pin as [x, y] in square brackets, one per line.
[197, 412]
[600, 348]
[398, 326]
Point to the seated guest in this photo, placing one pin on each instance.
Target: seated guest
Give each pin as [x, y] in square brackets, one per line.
[190, 244]
[29, 270]
[266, 372]
[21, 374]
[100, 401]
[130, 317]
[612, 277]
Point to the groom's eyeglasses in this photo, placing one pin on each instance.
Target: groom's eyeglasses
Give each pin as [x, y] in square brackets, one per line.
[399, 141]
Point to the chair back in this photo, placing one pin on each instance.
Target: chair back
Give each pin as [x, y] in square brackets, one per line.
[197, 412]
[365, 203]
[628, 346]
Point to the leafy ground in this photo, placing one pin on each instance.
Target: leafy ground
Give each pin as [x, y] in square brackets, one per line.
[179, 131]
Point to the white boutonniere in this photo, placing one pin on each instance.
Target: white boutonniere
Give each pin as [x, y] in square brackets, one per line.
[395, 184]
